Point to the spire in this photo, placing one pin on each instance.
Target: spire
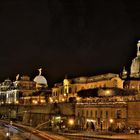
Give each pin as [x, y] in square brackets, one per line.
[138, 48]
[40, 71]
[124, 73]
[124, 70]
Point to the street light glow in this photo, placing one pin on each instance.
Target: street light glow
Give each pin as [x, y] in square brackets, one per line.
[71, 122]
[111, 120]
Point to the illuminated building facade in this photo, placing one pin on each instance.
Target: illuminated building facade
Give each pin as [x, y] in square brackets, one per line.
[25, 91]
[63, 91]
[106, 111]
[8, 93]
[132, 81]
[24, 86]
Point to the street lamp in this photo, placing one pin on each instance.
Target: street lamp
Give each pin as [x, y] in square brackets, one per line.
[71, 123]
[111, 122]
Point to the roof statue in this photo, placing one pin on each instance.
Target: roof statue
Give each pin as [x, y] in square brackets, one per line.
[17, 77]
[40, 71]
[39, 79]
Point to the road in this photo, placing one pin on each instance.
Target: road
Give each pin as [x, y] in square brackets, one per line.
[15, 133]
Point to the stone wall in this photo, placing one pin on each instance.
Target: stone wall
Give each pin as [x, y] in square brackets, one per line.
[36, 114]
[133, 114]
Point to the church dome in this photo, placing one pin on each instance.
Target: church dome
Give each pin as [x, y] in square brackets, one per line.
[40, 79]
[135, 66]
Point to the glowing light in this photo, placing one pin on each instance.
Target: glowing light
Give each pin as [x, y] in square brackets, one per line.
[51, 100]
[90, 120]
[42, 101]
[7, 134]
[71, 122]
[78, 98]
[63, 99]
[111, 120]
[34, 102]
[17, 102]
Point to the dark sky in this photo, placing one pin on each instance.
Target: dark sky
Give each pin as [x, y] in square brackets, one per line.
[73, 37]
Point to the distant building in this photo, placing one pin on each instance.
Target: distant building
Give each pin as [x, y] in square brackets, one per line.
[24, 86]
[63, 91]
[25, 91]
[8, 93]
[132, 81]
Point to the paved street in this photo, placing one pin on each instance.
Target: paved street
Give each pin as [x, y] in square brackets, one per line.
[16, 133]
[85, 135]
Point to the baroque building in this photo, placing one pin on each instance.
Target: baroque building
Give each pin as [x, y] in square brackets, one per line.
[69, 87]
[8, 93]
[25, 91]
[132, 81]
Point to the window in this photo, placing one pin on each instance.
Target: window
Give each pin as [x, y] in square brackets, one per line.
[101, 114]
[118, 114]
[91, 113]
[70, 90]
[96, 114]
[87, 113]
[82, 112]
[78, 114]
[106, 114]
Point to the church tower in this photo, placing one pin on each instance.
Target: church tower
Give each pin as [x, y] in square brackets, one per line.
[135, 66]
[138, 48]
[124, 73]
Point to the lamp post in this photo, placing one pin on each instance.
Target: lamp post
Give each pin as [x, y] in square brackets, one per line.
[111, 122]
[71, 122]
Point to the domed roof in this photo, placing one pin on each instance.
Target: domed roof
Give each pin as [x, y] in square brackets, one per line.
[40, 79]
[135, 67]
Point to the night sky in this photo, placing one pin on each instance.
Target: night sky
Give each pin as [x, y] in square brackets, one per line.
[73, 37]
